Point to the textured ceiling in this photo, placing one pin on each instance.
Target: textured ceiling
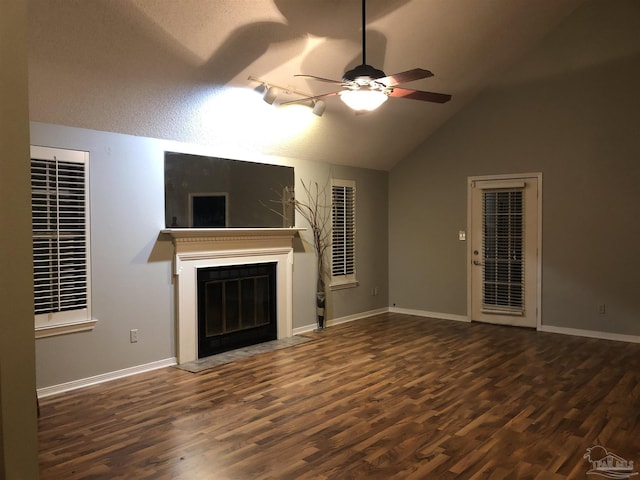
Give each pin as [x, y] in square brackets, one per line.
[141, 66]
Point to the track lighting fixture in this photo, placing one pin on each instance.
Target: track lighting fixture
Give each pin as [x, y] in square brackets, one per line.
[271, 94]
[272, 91]
[318, 107]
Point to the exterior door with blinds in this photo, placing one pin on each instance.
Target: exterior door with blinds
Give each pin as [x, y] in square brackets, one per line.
[504, 250]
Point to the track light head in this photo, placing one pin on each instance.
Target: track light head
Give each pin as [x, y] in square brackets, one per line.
[318, 107]
[271, 94]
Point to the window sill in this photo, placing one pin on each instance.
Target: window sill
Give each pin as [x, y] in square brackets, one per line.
[344, 284]
[64, 328]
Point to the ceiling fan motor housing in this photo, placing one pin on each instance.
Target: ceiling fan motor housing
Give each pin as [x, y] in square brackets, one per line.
[366, 72]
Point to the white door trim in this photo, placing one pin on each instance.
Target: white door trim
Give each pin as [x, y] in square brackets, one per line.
[502, 178]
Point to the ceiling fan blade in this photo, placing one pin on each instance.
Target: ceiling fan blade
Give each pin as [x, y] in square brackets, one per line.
[404, 77]
[321, 79]
[420, 95]
[309, 99]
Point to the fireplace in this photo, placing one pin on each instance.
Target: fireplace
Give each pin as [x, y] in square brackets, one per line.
[236, 307]
[199, 249]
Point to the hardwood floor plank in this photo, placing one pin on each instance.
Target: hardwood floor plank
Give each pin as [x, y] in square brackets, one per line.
[390, 396]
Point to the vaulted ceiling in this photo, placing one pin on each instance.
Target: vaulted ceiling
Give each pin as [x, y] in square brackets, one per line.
[146, 56]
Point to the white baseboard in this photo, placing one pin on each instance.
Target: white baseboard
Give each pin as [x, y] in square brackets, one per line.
[423, 313]
[105, 377]
[576, 332]
[338, 321]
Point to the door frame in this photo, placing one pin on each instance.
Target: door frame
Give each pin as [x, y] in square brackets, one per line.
[516, 176]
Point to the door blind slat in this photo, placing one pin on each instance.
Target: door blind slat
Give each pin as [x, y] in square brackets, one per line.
[503, 247]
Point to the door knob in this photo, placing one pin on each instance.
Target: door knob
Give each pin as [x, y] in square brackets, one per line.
[477, 262]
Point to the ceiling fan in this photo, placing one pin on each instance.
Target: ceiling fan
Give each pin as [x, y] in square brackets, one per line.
[365, 88]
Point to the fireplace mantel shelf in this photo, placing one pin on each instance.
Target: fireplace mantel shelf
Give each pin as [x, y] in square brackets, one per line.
[229, 233]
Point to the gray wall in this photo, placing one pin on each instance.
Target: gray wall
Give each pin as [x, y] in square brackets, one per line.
[131, 269]
[372, 243]
[571, 110]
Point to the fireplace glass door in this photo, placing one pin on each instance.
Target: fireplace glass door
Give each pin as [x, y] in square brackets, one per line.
[236, 307]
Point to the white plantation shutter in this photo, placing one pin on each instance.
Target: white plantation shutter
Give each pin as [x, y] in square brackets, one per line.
[343, 230]
[60, 236]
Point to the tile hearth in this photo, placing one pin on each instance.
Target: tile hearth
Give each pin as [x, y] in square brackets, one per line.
[227, 357]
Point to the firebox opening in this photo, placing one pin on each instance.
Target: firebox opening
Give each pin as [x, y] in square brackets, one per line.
[236, 307]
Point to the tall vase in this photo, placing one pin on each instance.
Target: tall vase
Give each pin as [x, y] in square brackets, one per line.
[321, 298]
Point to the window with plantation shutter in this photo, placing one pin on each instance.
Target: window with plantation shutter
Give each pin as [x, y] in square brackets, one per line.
[343, 232]
[60, 227]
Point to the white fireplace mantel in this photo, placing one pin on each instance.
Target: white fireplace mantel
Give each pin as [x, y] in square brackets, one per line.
[196, 248]
[220, 233]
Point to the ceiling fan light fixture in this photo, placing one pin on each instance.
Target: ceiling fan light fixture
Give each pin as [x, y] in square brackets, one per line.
[363, 99]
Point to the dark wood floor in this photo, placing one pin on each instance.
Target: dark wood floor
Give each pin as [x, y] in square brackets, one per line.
[392, 396]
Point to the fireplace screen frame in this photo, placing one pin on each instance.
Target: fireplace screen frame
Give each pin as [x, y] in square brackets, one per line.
[236, 306]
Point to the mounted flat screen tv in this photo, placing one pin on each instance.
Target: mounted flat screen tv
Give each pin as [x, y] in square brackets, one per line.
[211, 192]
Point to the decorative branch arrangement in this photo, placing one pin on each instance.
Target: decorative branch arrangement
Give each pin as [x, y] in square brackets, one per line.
[316, 210]
[314, 206]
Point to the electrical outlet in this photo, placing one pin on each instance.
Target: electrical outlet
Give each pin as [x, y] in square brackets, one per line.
[133, 336]
[602, 309]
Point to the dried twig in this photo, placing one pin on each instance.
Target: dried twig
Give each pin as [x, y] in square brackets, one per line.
[315, 209]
